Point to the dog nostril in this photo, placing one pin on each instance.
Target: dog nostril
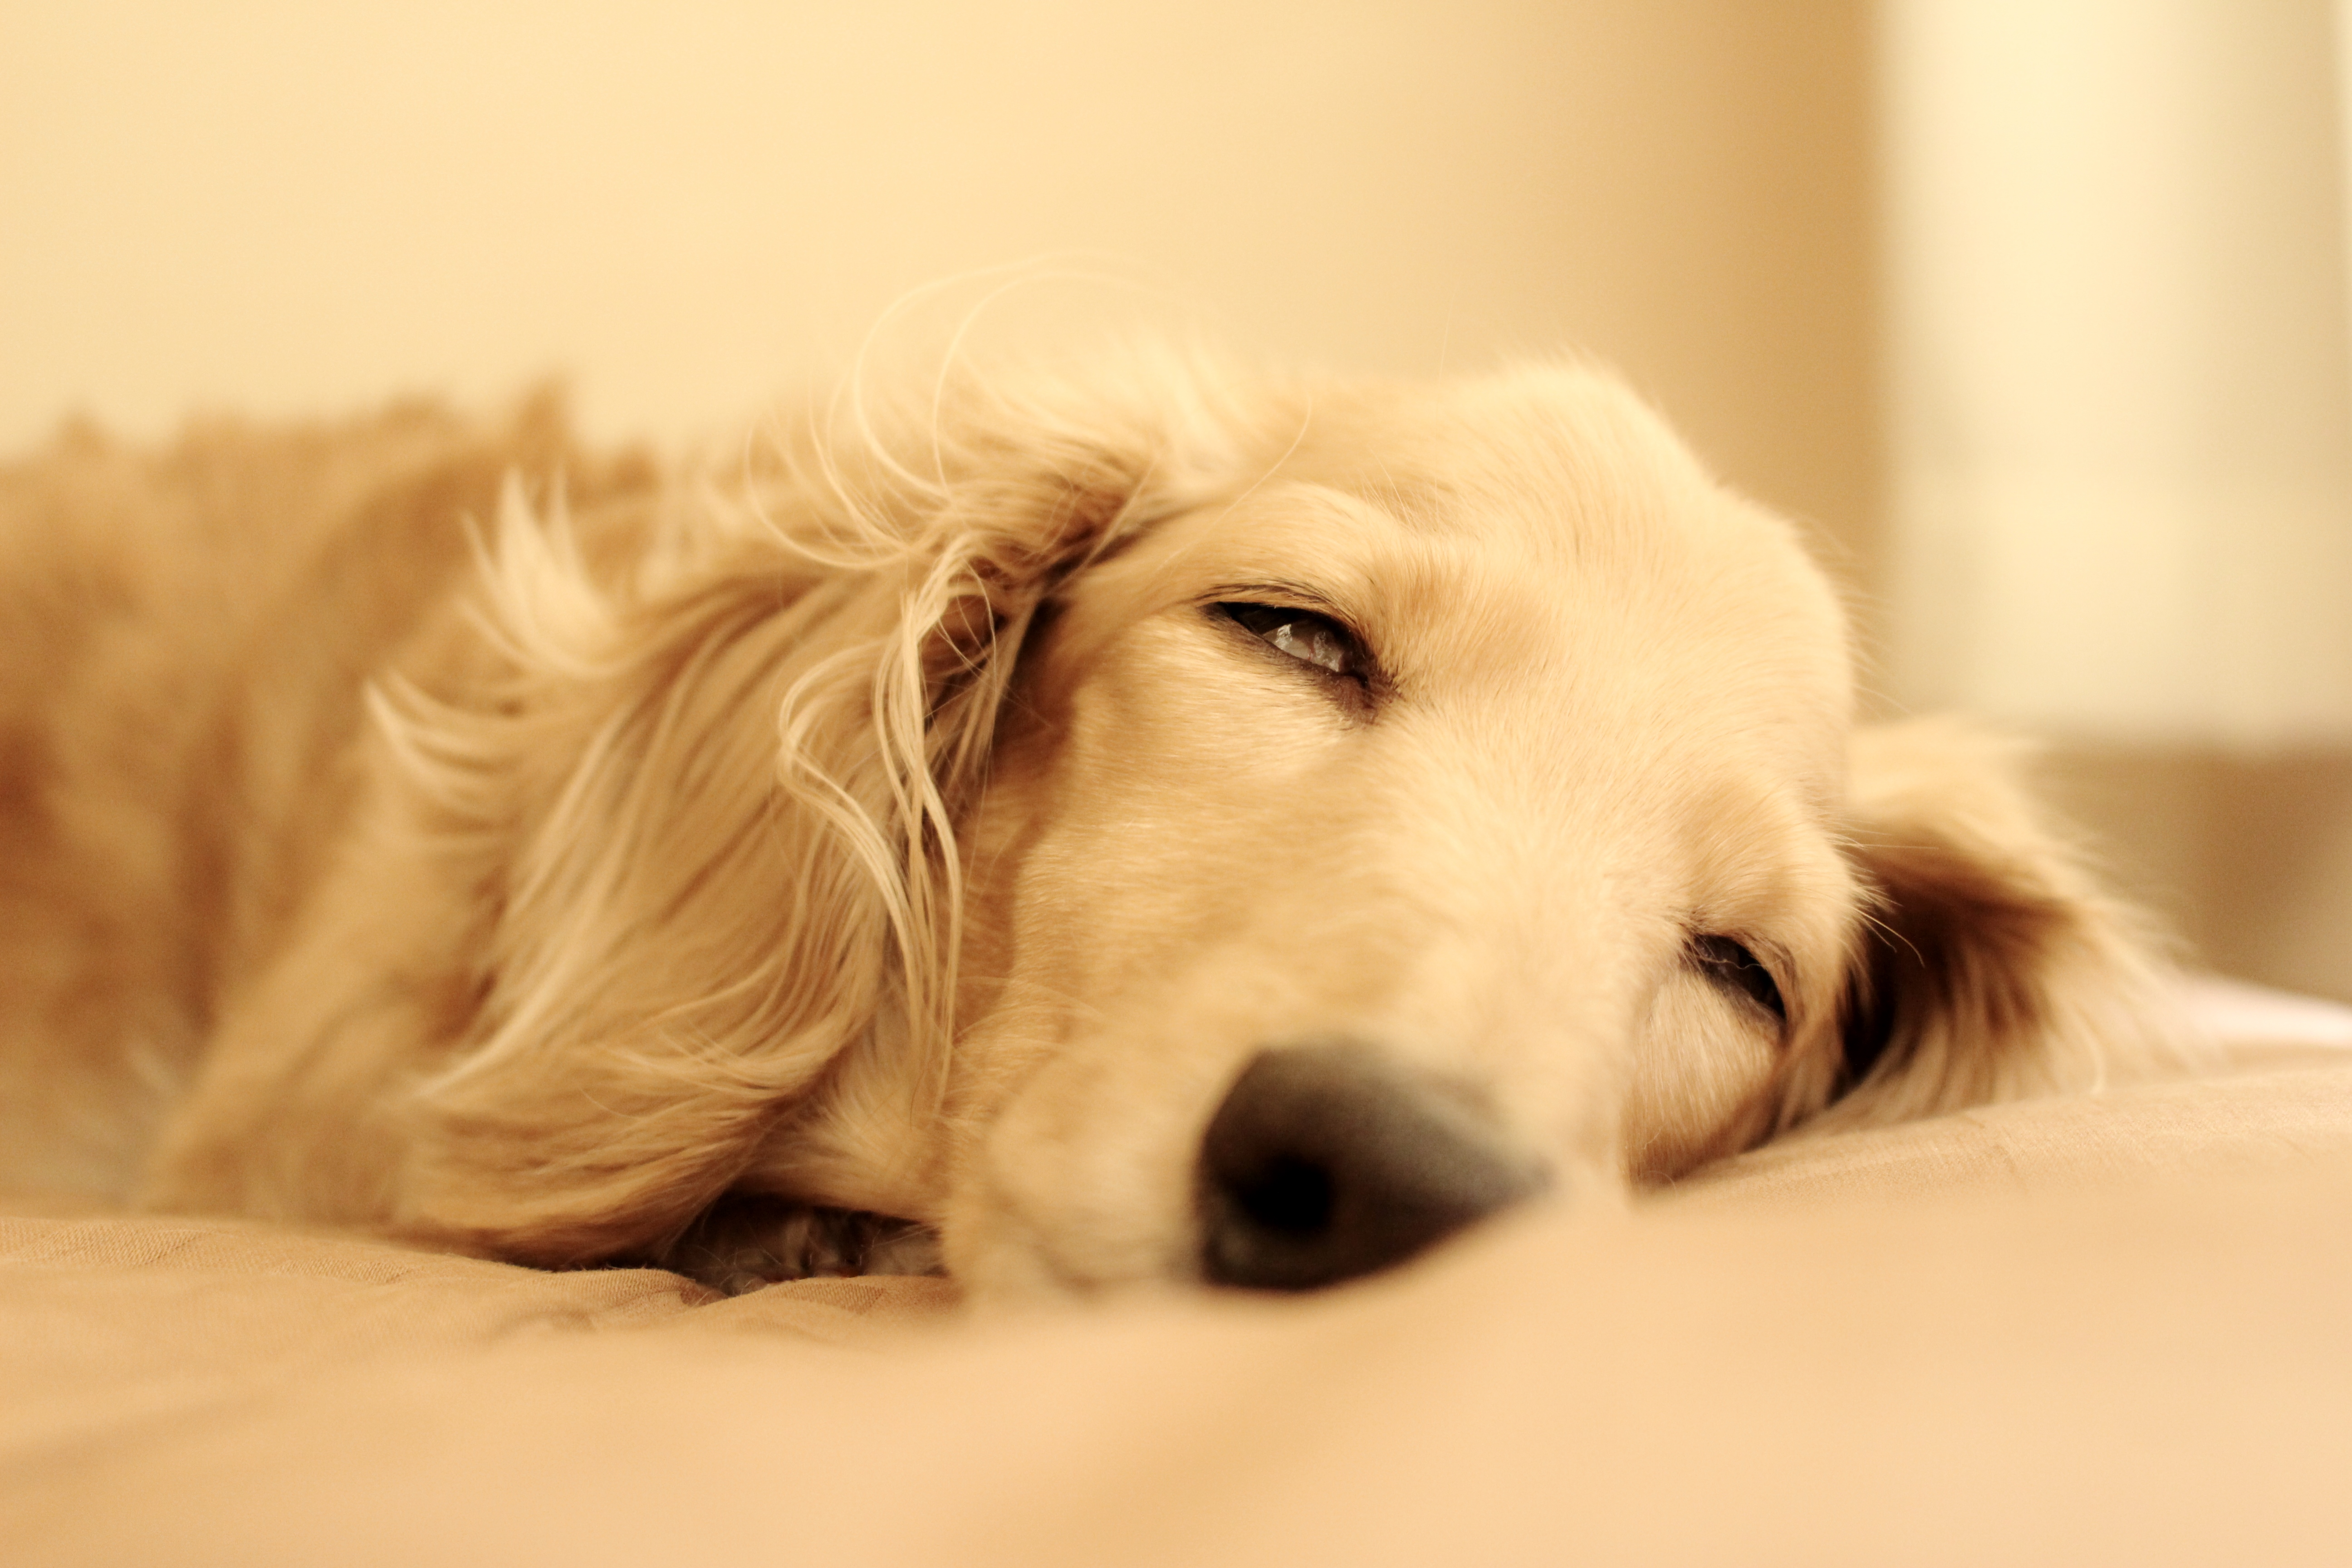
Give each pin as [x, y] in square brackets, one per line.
[1326, 1161]
[1289, 1195]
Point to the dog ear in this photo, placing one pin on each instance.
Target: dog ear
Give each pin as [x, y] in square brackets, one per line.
[1989, 966]
[714, 798]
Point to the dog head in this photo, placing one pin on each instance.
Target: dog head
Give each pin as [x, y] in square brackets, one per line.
[1244, 831]
[1454, 800]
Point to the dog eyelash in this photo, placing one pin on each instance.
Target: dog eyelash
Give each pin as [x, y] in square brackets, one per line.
[1303, 635]
[1732, 966]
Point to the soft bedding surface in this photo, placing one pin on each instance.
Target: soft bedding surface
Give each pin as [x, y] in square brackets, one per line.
[2106, 1329]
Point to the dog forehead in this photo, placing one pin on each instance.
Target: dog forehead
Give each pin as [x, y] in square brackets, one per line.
[1569, 445]
[1528, 554]
[1573, 531]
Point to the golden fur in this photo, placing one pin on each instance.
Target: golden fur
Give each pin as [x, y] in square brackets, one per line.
[436, 827]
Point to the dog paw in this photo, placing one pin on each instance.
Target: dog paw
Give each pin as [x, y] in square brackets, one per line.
[746, 1241]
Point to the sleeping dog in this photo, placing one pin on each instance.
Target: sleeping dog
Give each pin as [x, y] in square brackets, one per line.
[1146, 822]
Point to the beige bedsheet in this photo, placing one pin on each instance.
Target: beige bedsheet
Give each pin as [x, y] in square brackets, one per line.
[2111, 1329]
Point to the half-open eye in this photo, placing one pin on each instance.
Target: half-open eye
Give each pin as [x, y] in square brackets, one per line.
[1735, 969]
[1304, 635]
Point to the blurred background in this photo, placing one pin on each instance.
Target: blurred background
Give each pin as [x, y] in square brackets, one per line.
[2034, 314]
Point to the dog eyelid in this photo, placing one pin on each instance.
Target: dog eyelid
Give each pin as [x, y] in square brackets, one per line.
[1729, 962]
[1308, 636]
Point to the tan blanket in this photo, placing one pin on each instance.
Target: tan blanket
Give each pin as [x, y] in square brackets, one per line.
[2112, 1329]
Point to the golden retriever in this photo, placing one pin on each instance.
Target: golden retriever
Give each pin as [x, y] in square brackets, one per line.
[1146, 823]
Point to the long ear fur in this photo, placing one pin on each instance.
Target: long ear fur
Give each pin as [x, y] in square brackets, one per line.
[712, 791]
[1991, 966]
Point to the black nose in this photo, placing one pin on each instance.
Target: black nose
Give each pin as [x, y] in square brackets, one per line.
[1327, 1162]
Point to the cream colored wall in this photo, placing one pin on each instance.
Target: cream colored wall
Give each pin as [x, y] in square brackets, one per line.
[2120, 367]
[281, 207]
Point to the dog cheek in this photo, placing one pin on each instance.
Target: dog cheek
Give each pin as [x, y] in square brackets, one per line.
[993, 1256]
[1699, 1068]
[1046, 1203]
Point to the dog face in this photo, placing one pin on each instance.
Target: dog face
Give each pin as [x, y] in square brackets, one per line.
[1482, 765]
[1458, 812]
